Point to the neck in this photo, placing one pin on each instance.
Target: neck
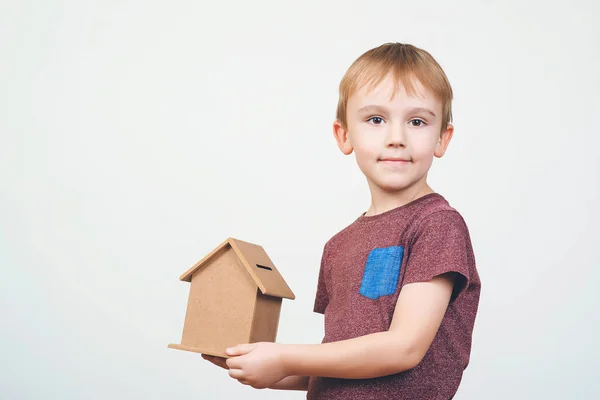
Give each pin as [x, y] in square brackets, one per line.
[382, 200]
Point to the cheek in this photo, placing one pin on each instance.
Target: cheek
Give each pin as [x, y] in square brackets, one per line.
[367, 147]
[366, 159]
[423, 148]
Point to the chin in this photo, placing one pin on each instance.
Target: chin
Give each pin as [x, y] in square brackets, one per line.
[395, 182]
[393, 186]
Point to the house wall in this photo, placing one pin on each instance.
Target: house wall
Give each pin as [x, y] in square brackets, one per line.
[266, 318]
[220, 305]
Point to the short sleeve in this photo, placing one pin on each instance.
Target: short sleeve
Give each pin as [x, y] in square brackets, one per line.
[322, 296]
[441, 245]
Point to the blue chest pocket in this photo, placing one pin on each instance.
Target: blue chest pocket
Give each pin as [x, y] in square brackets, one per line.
[382, 270]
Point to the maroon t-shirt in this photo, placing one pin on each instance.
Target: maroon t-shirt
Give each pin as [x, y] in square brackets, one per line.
[363, 270]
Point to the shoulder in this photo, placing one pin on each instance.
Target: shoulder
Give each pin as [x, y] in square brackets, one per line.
[441, 221]
[440, 243]
[438, 217]
[340, 237]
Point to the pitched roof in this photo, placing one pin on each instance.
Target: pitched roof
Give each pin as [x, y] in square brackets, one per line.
[257, 263]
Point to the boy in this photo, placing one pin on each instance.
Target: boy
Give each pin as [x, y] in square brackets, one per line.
[398, 287]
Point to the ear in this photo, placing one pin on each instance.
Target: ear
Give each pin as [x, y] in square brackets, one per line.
[444, 141]
[341, 137]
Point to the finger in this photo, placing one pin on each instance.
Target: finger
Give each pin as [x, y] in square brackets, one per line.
[218, 361]
[233, 362]
[240, 349]
[221, 362]
[236, 374]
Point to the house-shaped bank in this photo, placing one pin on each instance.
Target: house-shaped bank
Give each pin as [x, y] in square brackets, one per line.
[235, 297]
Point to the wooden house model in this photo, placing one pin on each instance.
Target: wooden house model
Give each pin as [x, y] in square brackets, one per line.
[235, 297]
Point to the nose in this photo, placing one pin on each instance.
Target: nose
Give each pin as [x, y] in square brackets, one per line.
[396, 136]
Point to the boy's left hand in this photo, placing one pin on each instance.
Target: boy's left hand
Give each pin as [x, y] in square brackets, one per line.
[256, 364]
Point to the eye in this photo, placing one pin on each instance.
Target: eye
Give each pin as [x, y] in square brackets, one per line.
[417, 122]
[376, 120]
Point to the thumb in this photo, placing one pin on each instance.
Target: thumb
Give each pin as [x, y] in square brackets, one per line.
[240, 349]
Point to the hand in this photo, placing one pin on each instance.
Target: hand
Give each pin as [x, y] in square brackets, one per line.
[259, 365]
[218, 361]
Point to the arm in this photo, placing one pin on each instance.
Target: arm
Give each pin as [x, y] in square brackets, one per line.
[293, 382]
[417, 316]
[287, 383]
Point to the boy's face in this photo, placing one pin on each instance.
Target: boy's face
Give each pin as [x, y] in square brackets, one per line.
[394, 140]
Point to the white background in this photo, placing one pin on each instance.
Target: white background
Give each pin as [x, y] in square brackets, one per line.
[135, 136]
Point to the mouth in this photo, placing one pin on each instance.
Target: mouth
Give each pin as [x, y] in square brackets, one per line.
[395, 160]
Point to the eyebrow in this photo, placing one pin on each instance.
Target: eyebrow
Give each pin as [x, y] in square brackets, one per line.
[376, 108]
[373, 108]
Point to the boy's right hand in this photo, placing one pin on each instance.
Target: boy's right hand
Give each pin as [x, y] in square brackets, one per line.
[218, 361]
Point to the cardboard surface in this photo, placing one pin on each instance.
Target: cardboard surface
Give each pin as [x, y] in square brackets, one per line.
[266, 318]
[270, 281]
[220, 305]
[235, 297]
[197, 350]
[253, 257]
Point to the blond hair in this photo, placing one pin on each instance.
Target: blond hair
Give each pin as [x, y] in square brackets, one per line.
[407, 63]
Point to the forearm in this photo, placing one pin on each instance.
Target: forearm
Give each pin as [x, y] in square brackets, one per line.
[368, 356]
[293, 382]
